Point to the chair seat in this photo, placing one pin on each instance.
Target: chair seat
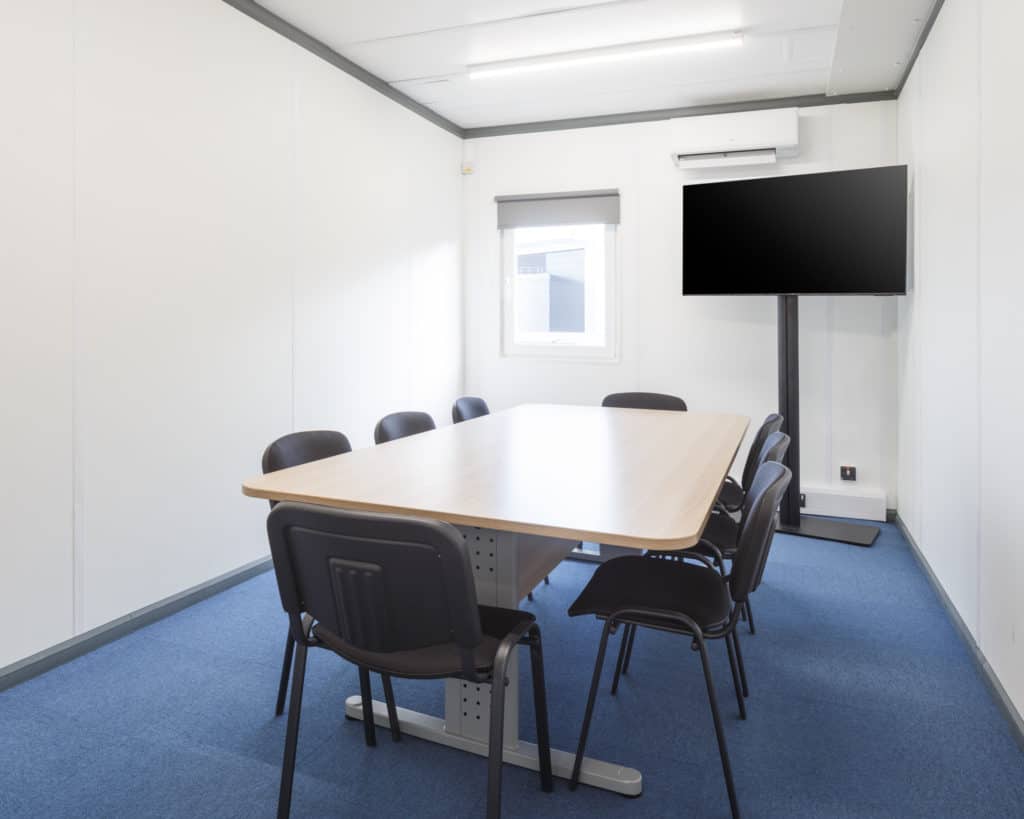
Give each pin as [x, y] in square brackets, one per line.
[698, 592]
[442, 660]
[731, 495]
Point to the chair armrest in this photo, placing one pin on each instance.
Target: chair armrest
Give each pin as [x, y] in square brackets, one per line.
[729, 479]
[507, 645]
[719, 558]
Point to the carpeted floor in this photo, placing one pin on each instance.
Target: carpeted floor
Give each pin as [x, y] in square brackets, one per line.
[864, 703]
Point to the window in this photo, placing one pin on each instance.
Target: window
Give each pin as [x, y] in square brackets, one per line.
[559, 279]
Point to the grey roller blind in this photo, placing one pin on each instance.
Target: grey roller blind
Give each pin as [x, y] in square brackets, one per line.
[575, 208]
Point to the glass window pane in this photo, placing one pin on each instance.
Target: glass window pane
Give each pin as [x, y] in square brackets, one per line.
[558, 284]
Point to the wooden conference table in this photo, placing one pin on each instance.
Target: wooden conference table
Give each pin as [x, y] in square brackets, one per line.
[524, 486]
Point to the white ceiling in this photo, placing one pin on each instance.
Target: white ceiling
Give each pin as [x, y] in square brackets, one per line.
[791, 48]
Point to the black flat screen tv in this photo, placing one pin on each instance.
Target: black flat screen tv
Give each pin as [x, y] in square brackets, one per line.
[819, 233]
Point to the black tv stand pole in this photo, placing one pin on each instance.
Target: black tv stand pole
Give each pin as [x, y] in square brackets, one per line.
[790, 520]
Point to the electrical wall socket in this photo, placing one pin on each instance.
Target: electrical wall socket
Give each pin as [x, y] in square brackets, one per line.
[848, 473]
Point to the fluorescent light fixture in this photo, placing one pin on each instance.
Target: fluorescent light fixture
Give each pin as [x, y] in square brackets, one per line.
[609, 54]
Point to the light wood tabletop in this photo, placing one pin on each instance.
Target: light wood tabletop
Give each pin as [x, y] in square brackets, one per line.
[634, 478]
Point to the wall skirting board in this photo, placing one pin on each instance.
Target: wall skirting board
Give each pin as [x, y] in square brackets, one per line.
[1012, 715]
[863, 503]
[94, 638]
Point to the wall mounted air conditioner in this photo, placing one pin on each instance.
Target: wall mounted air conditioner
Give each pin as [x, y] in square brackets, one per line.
[745, 138]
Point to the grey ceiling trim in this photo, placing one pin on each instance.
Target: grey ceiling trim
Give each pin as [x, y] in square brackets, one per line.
[920, 44]
[325, 52]
[808, 101]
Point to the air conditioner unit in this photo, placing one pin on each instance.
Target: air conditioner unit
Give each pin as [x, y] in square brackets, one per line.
[745, 138]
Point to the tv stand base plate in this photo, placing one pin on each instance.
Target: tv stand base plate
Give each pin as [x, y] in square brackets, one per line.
[858, 534]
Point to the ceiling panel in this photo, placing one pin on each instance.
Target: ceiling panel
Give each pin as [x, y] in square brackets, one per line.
[791, 47]
[339, 22]
[875, 43]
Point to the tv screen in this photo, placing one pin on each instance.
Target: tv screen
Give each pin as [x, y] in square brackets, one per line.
[837, 232]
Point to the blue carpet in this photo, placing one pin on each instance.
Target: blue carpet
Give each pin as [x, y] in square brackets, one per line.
[864, 703]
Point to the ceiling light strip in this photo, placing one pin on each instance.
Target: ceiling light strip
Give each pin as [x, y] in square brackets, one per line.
[609, 54]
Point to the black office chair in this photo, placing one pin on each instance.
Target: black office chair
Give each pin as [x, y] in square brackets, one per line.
[396, 595]
[292, 450]
[731, 494]
[721, 535]
[467, 407]
[718, 543]
[400, 425]
[644, 400]
[683, 598]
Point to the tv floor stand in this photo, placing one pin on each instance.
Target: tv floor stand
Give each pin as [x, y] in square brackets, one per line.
[790, 520]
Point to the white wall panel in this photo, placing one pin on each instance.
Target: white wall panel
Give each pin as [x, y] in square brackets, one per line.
[378, 302]
[1002, 340]
[717, 352]
[946, 301]
[36, 227]
[210, 238]
[183, 163]
[960, 399]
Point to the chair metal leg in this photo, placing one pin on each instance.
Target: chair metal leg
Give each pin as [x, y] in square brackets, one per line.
[626, 632]
[629, 649]
[286, 668]
[369, 729]
[739, 662]
[574, 780]
[735, 677]
[750, 617]
[496, 738]
[389, 699]
[723, 751]
[547, 580]
[529, 596]
[540, 709]
[284, 800]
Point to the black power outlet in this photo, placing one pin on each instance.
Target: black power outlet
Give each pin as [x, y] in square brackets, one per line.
[848, 473]
[803, 500]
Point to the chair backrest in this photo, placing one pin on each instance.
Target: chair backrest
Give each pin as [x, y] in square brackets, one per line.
[644, 400]
[469, 406]
[379, 583]
[774, 448]
[400, 424]
[773, 423]
[757, 525]
[302, 447]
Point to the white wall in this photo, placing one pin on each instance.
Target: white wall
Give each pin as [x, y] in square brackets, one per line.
[35, 327]
[716, 352]
[960, 334]
[210, 237]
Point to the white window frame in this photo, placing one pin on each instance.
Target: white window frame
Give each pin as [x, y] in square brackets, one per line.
[563, 346]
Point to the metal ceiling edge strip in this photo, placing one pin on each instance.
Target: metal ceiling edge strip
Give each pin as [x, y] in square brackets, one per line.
[920, 45]
[808, 101]
[328, 54]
